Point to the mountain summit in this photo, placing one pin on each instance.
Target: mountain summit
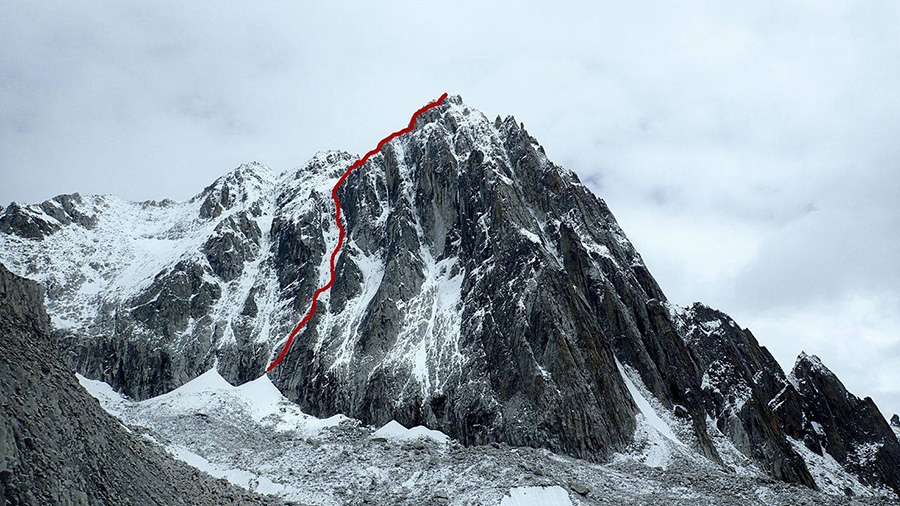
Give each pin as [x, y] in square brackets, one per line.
[483, 291]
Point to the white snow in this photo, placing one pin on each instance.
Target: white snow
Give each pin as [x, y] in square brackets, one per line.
[396, 431]
[89, 271]
[428, 342]
[239, 477]
[537, 496]
[731, 456]
[259, 399]
[828, 474]
[372, 269]
[112, 402]
[531, 236]
[646, 409]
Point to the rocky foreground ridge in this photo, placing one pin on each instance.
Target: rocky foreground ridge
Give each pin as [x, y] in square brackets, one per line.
[483, 291]
[57, 446]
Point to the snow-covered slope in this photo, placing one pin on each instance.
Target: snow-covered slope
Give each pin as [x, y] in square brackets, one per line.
[253, 437]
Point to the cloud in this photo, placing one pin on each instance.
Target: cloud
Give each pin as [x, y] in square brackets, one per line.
[748, 150]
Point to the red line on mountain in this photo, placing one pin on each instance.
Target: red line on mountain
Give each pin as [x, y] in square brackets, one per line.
[337, 219]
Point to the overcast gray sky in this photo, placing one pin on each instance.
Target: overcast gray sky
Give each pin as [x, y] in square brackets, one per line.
[749, 149]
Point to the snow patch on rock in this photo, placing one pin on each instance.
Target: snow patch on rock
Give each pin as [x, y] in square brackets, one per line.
[393, 430]
[649, 414]
[537, 496]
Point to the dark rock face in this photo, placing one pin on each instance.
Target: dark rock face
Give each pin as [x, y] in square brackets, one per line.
[229, 191]
[236, 241]
[58, 446]
[536, 370]
[739, 379]
[818, 410]
[482, 291]
[895, 426]
[174, 298]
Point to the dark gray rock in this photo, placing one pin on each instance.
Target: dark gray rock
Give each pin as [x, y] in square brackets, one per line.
[827, 418]
[535, 371]
[39, 221]
[235, 241]
[229, 191]
[739, 379]
[58, 446]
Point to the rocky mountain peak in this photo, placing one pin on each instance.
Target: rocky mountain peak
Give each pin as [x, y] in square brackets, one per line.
[895, 425]
[482, 291]
[41, 220]
[246, 185]
[810, 368]
[810, 362]
[850, 429]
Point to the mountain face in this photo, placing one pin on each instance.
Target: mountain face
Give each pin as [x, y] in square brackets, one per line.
[482, 291]
[816, 409]
[57, 446]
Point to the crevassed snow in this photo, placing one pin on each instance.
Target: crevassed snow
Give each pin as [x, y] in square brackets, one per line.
[537, 496]
[396, 431]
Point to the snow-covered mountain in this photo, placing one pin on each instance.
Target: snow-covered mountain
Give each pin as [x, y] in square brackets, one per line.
[483, 292]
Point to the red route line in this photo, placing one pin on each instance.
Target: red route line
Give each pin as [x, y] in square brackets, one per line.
[337, 219]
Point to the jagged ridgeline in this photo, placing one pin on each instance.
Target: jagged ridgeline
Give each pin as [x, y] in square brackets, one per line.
[483, 291]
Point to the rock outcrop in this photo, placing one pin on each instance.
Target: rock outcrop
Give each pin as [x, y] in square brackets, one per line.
[39, 221]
